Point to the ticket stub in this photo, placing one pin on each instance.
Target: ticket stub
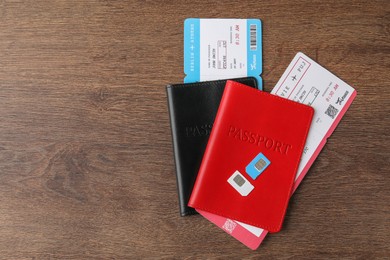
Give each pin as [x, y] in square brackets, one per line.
[222, 49]
[304, 81]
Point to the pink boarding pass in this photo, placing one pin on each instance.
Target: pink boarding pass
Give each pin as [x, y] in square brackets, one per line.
[304, 81]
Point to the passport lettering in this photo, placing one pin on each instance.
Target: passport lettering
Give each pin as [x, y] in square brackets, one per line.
[198, 130]
[259, 140]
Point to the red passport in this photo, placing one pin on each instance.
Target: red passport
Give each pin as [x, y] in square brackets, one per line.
[252, 156]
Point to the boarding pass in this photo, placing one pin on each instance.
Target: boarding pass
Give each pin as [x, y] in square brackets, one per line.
[222, 49]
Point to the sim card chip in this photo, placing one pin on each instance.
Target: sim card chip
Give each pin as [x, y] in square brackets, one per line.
[240, 183]
[257, 166]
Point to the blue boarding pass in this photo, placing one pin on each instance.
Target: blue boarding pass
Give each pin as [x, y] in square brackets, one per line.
[222, 49]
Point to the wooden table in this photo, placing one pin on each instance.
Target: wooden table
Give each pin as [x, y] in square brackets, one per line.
[86, 164]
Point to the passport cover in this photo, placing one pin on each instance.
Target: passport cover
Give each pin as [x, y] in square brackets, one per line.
[192, 109]
[250, 122]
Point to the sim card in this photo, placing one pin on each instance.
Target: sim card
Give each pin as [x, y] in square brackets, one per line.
[257, 166]
[240, 183]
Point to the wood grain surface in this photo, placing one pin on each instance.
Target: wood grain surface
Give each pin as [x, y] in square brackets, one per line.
[86, 161]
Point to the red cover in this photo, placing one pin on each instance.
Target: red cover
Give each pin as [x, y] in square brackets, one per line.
[248, 122]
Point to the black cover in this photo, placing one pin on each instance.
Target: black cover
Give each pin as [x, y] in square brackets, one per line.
[192, 110]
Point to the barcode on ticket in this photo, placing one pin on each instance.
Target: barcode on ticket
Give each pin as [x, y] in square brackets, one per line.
[253, 37]
[331, 111]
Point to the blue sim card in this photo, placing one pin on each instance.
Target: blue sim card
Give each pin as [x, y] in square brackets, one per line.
[257, 166]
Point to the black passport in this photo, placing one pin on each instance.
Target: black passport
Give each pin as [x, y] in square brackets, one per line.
[192, 110]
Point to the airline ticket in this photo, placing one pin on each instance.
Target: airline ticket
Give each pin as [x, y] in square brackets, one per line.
[222, 49]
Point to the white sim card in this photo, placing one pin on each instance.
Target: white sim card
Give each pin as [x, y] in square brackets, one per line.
[240, 183]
